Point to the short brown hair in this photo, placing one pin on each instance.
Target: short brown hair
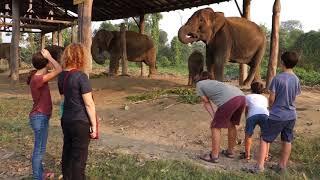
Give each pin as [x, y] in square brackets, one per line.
[257, 87]
[203, 76]
[289, 59]
[75, 55]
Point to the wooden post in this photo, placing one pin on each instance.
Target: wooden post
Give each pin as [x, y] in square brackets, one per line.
[54, 38]
[274, 49]
[123, 45]
[243, 68]
[14, 46]
[60, 43]
[73, 34]
[84, 29]
[141, 30]
[43, 40]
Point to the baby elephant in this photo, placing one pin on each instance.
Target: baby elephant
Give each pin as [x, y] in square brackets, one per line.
[195, 65]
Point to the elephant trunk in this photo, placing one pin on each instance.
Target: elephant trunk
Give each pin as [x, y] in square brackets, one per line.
[97, 56]
[184, 35]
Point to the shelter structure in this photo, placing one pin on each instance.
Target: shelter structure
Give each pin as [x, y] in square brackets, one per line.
[54, 15]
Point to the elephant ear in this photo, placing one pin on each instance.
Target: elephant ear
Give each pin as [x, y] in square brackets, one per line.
[218, 22]
[107, 37]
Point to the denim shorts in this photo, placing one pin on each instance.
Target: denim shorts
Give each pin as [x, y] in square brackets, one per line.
[258, 119]
[274, 128]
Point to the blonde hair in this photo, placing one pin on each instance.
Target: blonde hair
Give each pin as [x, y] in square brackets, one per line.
[76, 56]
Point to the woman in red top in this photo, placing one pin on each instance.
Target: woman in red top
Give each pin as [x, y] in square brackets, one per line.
[42, 107]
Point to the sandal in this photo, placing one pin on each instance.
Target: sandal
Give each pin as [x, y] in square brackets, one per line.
[268, 158]
[208, 158]
[227, 154]
[254, 170]
[48, 175]
[244, 156]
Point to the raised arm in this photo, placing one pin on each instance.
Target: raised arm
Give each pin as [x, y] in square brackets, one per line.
[56, 66]
[91, 110]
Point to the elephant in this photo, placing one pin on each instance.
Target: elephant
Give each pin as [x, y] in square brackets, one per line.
[195, 66]
[233, 39]
[56, 52]
[5, 52]
[140, 48]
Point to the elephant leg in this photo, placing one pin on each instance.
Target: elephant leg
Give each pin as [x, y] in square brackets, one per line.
[254, 72]
[218, 71]
[151, 62]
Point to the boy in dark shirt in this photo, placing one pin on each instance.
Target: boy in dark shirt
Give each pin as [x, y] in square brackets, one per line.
[283, 91]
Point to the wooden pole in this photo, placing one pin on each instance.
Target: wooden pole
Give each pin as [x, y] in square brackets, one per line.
[123, 46]
[84, 30]
[141, 30]
[73, 34]
[274, 49]
[43, 40]
[60, 43]
[54, 38]
[14, 46]
[243, 68]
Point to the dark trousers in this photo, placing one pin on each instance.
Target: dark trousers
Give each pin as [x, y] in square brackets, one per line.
[75, 150]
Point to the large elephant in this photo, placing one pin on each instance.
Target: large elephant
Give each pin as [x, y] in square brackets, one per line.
[55, 51]
[5, 52]
[195, 66]
[140, 48]
[231, 39]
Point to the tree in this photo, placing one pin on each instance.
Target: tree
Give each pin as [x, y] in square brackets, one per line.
[291, 25]
[176, 51]
[163, 37]
[289, 32]
[107, 25]
[155, 31]
[308, 45]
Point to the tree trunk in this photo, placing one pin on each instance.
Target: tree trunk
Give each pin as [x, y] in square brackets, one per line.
[54, 38]
[123, 46]
[141, 31]
[43, 40]
[60, 43]
[14, 46]
[243, 68]
[274, 49]
[84, 30]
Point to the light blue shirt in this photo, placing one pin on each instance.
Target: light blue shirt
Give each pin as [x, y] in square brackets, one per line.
[286, 87]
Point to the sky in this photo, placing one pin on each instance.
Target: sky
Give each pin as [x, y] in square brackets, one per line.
[306, 11]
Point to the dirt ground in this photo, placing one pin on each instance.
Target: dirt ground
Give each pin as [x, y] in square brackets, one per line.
[164, 128]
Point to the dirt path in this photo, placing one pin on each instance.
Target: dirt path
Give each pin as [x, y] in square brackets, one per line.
[165, 129]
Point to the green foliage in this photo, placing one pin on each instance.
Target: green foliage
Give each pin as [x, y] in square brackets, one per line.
[308, 45]
[176, 48]
[155, 31]
[107, 25]
[306, 152]
[308, 77]
[0, 37]
[185, 95]
[131, 167]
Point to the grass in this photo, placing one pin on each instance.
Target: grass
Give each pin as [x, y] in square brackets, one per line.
[16, 136]
[185, 95]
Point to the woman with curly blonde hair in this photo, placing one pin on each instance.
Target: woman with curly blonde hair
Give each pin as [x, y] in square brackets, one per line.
[78, 119]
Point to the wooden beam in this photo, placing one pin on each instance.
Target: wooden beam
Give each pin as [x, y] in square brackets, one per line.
[84, 30]
[31, 26]
[274, 49]
[243, 68]
[123, 45]
[141, 30]
[14, 46]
